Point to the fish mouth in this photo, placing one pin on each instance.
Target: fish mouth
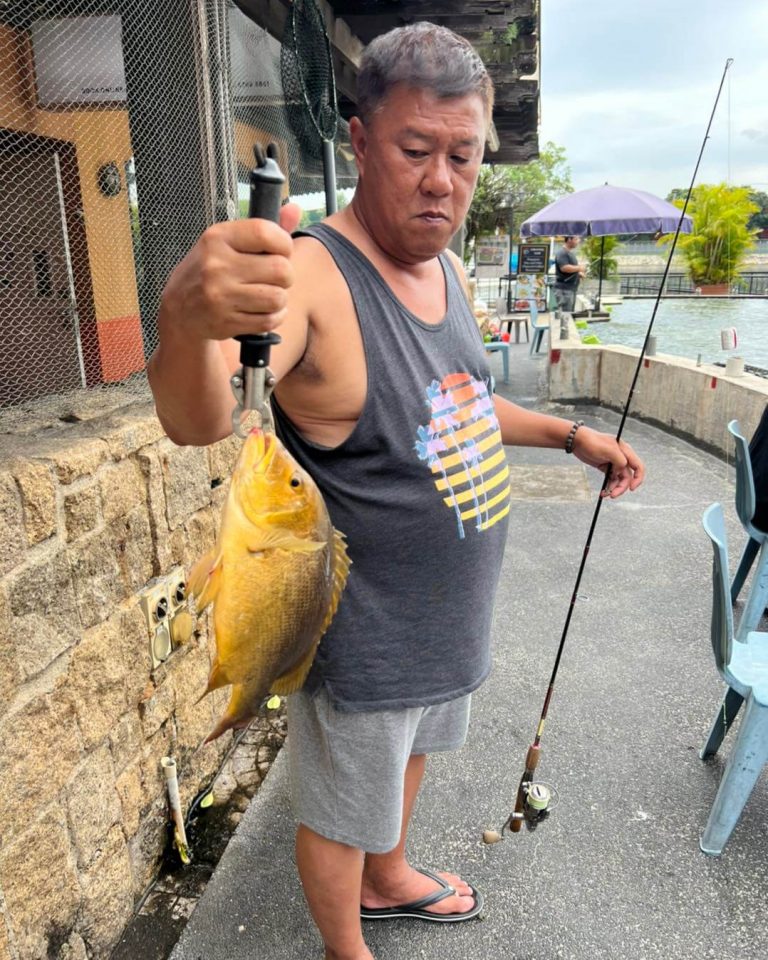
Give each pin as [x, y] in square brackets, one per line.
[264, 447]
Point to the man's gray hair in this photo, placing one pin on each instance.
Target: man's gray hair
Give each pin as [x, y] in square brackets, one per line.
[422, 55]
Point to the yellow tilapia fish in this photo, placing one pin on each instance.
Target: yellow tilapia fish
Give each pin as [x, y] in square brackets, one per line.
[274, 577]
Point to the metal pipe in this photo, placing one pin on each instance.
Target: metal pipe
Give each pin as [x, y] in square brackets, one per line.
[329, 176]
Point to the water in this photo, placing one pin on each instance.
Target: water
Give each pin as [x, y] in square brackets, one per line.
[687, 328]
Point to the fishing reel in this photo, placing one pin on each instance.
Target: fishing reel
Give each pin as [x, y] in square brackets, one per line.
[534, 804]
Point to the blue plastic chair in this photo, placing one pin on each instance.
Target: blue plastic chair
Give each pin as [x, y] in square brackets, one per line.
[757, 540]
[539, 329]
[744, 667]
[745, 508]
[498, 346]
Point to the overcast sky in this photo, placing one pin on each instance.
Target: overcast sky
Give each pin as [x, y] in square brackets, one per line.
[627, 88]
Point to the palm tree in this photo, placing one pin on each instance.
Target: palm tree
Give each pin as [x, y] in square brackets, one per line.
[716, 249]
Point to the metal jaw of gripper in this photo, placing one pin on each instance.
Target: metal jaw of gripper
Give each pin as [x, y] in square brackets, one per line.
[252, 387]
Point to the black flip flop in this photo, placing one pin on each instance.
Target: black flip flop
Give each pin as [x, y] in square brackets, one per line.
[417, 908]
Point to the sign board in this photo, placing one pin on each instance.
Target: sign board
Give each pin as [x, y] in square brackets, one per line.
[491, 256]
[255, 61]
[533, 258]
[91, 71]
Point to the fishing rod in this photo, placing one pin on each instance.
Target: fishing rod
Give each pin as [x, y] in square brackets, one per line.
[533, 800]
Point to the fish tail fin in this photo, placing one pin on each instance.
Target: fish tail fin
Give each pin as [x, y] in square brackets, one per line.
[205, 578]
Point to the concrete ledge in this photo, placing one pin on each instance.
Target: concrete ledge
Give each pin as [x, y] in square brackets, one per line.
[695, 402]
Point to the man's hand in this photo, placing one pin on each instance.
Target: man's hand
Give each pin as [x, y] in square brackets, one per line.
[601, 450]
[220, 289]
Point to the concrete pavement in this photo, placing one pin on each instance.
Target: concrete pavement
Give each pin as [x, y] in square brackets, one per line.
[616, 871]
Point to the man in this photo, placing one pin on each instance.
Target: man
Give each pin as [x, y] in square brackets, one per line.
[383, 396]
[568, 273]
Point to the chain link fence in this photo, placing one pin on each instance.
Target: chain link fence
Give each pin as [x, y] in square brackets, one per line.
[126, 128]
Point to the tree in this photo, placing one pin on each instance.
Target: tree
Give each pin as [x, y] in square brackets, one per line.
[758, 220]
[606, 265]
[716, 248]
[508, 195]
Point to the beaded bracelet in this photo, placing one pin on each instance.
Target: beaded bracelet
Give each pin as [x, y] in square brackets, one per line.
[572, 436]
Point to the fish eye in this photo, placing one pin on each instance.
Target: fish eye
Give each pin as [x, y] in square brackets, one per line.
[295, 482]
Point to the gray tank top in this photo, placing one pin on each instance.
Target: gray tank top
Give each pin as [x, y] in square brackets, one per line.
[421, 490]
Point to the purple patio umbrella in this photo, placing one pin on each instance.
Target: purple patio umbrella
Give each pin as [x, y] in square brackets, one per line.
[605, 211]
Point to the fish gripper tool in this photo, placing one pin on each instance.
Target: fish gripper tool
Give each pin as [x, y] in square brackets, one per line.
[253, 382]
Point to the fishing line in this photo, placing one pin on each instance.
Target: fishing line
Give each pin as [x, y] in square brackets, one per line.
[531, 804]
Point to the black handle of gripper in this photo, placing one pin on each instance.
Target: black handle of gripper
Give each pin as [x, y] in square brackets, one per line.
[266, 190]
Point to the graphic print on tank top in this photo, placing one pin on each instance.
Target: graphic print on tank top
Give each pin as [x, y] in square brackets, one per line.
[461, 445]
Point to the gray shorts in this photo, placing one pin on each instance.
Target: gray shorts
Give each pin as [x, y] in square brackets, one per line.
[347, 769]
[565, 298]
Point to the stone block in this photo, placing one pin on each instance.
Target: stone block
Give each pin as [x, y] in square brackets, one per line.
[80, 457]
[126, 434]
[200, 536]
[97, 577]
[122, 488]
[107, 903]
[186, 481]
[126, 740]
[134, 640]
[156, 709]
[93, 804]
[82, 511]
[73, 949]
[38, 496]
[131, 539]
[194, 718]
[148, 459]
[97, 680]
[44, 612]
[13, 536]
[146, 847]
[39, 750]
[133, 801]
[5, 947]
[222, 457]
[39, 881]
[9, 666]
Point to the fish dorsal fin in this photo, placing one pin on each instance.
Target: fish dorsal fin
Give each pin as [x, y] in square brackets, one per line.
[277, 540]
[205, 578]
[341, 565]
[294, 680]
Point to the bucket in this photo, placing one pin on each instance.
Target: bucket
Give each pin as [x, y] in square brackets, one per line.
[734, 367]
[728, 338]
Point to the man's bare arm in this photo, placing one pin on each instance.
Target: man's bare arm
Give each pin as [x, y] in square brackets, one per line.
[526, 428]
[235, 280]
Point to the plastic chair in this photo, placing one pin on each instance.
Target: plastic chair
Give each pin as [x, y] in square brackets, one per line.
[498, 346]
[757, 540]
[539, 329]
[744, 667]
[518, 318]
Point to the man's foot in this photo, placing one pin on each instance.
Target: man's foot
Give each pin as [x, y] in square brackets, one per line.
[419, 893]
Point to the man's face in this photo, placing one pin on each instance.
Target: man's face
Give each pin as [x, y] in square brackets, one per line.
[572, 243]
[419, 157]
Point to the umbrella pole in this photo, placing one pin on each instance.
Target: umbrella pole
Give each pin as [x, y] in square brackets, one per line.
[600, 274]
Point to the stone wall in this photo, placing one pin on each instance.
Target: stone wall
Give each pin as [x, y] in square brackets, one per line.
[89, 513]
[696, 402]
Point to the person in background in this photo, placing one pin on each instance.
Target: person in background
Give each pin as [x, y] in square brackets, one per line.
[568, 274]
